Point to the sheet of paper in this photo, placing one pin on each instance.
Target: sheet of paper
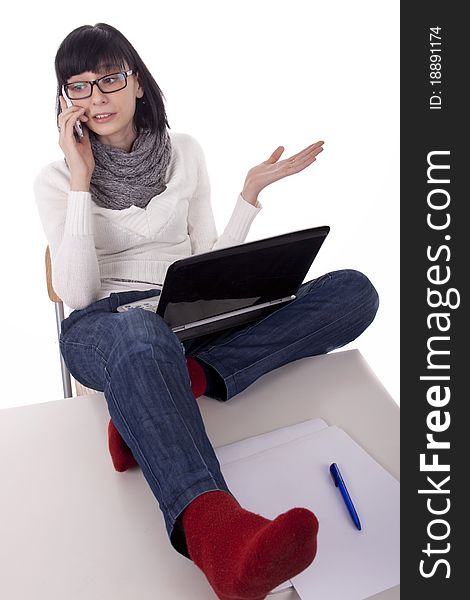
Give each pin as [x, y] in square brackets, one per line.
[349, 563]
[257, 443]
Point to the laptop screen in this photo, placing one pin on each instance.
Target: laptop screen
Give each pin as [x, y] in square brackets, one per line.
[215, 282]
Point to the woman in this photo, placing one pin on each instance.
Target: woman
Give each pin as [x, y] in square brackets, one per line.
[129, 198]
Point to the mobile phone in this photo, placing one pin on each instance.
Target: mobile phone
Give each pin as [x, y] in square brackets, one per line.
[78, 127]
[150, 304]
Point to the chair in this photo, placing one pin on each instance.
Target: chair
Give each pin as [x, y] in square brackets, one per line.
[80, 390]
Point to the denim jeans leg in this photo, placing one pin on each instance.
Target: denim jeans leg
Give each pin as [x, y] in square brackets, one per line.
[328, 312]
[139, 364]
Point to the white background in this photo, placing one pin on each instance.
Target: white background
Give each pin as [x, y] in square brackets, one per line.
[242, 79]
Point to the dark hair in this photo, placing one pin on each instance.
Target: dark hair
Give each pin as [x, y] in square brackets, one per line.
[101, 47]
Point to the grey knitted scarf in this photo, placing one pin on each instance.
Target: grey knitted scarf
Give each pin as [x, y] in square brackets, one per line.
[121, 179]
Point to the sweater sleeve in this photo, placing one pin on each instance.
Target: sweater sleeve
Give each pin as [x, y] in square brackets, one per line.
[201, 223]
[66, 218]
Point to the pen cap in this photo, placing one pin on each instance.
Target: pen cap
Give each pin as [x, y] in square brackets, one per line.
[335, 474]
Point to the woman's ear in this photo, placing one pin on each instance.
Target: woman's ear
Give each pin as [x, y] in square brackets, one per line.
[140, 89]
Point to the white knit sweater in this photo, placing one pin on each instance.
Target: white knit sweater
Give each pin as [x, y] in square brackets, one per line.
[96, 251]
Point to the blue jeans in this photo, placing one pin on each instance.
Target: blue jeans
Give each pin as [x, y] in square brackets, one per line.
[139, 364]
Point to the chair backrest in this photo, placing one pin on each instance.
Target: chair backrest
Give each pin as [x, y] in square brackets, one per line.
[50, 289]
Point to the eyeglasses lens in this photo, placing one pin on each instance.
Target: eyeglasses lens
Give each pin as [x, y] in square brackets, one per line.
[108, 84]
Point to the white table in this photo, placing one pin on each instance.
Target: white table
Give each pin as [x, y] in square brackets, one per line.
[72, 527]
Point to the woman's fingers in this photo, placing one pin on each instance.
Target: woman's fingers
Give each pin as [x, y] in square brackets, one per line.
[300, 165]
[275, 155]
[299, 161]
[308, 155]
[69, 114]
[68, 121]
[316, 147]
[306, 152]
[303, 159]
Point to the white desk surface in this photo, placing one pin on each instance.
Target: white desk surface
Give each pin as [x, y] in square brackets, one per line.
[72, 527]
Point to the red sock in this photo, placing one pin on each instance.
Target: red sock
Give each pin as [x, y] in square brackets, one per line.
[197, 376]
[121, 454]
[242, 554]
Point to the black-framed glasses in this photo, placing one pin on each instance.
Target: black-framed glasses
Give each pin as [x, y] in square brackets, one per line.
[107, 84]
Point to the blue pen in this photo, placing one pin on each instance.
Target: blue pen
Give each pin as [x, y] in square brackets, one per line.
[344, 492]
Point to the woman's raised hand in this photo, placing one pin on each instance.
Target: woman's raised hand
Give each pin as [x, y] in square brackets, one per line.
[79, 155]
[271, 170]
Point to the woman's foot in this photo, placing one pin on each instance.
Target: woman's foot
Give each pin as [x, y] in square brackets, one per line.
[242, 554]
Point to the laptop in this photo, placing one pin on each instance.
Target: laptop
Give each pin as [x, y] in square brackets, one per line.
[220, 289]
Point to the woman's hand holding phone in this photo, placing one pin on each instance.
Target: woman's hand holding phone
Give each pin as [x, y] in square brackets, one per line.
[68, 102]
[79, 154]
